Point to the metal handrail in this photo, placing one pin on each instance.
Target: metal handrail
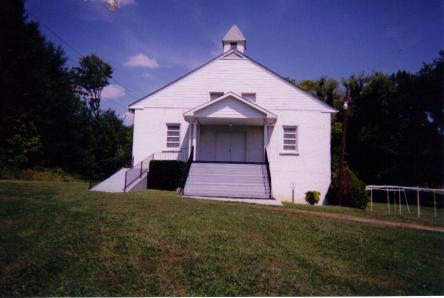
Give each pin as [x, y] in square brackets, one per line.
[100, 165]
[138, 170]
[267, 163]
[187, 169]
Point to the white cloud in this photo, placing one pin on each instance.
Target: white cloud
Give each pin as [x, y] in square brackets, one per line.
[113, 91]
[141, 60]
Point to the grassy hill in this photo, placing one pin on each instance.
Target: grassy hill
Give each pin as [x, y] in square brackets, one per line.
[58, 239]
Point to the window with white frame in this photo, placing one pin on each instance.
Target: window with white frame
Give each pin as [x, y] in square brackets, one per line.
[214, 95]
[249, 96]
[173, 135]
[290, 139]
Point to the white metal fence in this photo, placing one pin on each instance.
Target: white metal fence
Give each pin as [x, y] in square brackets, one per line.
[399, 195]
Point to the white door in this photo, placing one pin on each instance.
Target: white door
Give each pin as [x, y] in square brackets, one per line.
[223, 146]
[237, 146]
[230, 146]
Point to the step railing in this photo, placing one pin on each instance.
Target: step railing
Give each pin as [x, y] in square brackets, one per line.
[267, 164]
[188, 167]
[141, 168]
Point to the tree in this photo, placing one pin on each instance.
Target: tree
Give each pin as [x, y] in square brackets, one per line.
[90, 77]
[40, 123]
[43, 122]
[395, 132]
[113, 142]
[326, 89]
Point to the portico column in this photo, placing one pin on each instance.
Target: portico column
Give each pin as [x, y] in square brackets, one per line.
[265, 136]
[190, 137]
[194, 139]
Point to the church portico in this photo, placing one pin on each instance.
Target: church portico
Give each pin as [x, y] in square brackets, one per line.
[229, 129]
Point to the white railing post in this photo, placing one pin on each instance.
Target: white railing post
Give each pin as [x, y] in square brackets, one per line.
[388, 201]
[434, 202]
[400, 203]
[417, 202]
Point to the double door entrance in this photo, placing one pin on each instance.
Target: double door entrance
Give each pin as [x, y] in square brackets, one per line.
[224, 143]
[230, 146]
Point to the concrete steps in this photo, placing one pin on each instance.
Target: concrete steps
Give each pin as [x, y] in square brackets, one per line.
[228, 180]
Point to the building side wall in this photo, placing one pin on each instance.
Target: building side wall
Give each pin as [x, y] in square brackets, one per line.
[310, 168]
[149, 135]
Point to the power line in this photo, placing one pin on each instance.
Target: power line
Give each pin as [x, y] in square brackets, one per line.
[81, 55]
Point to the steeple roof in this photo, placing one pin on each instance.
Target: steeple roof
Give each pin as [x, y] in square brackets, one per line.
[234, 34]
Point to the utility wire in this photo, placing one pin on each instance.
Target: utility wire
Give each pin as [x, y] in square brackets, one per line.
[81, 55]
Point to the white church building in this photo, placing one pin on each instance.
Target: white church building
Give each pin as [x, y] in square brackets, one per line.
[246, 132]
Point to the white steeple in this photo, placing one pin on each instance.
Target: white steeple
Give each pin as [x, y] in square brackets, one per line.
[234, 39]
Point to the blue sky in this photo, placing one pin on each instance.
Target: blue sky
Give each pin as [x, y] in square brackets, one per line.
[150, 43]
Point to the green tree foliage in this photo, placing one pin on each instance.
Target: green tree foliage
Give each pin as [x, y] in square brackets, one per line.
[38, 111]
[112, 147]
[326, 89]
[396, 130]
[90, 77]
[348, 192]
[42, 120]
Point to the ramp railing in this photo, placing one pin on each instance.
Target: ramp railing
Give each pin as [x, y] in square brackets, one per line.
[141, 168]
[267, 163]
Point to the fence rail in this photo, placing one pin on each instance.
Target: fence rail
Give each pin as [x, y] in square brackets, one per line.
[141, 168]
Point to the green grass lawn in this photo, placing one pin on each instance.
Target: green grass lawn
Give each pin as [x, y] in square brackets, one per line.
[58, 239]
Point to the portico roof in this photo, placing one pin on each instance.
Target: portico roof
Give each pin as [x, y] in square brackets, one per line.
[232, 108]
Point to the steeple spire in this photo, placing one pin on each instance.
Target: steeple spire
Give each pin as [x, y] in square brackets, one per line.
[234, 39]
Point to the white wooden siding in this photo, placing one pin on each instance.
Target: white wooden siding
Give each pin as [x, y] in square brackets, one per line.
[238, 76]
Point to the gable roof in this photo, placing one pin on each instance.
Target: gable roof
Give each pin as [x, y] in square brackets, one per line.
[176, 80]
[230, 94]
[242, 55]
[234, 34]
[326, 105]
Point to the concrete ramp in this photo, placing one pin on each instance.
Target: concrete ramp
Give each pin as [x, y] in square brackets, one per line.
[115, 183]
